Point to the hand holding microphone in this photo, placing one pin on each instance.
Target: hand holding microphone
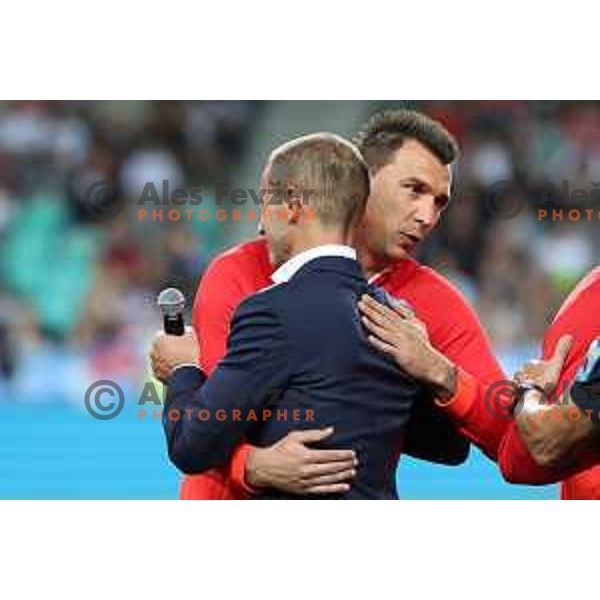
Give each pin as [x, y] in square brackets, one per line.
[175, 346]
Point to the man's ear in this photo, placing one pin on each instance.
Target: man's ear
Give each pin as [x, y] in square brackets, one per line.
[294, 213]
[293, 203]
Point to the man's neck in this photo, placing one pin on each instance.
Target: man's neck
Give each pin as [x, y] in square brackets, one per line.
[310, 249]
[369, 263]
[315, 238]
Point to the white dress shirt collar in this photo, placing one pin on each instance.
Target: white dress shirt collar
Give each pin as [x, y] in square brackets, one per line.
[289, 268]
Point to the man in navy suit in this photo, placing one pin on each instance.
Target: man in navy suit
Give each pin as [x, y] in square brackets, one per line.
[298, 356]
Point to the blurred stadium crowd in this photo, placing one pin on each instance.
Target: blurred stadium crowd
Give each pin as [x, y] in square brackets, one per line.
[77, 292]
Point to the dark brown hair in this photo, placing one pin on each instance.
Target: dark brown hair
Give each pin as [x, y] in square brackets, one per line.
[385, 132]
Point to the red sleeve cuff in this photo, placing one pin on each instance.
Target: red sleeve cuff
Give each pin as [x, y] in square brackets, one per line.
[237, 470]
[459, 405]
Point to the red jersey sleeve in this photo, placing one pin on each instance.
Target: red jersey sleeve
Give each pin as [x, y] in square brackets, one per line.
[580, 318]
[455, 330]
[459, 335]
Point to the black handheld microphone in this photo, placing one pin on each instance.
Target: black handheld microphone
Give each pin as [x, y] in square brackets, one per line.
[171, 303]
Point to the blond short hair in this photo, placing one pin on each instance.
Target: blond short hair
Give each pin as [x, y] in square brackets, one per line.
[330, 172]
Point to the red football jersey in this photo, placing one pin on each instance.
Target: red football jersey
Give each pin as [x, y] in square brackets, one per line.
[453, 328]
[580, 318]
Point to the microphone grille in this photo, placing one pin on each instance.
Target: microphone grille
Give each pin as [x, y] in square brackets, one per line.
[171, 302]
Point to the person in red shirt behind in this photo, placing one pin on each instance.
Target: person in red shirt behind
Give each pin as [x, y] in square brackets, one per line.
[561, 437]
[532, 451]
[229, 279]
[409, 158]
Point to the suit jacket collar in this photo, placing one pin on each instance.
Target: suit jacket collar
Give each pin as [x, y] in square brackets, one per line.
[286, 271]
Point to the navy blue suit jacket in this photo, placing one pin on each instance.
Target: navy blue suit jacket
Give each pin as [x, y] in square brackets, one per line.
[300, 346]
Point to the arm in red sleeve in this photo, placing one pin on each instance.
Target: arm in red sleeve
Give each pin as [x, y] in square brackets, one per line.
[577, 317]
[460, 336]
[518, 465]
[517, 462]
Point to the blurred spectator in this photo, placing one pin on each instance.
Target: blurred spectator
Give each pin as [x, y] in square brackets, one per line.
[79, 285]
[520, 269]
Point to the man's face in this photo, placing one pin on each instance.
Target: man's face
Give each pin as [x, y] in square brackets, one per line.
[408, 196]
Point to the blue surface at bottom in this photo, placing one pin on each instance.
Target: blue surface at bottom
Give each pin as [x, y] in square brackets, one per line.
[61, 452]
[58, 452]
[477, 479]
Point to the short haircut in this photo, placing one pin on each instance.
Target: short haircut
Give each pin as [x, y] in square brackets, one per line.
[330, 171]
[386, 132]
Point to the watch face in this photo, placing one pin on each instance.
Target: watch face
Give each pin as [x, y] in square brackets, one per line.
[590, 371]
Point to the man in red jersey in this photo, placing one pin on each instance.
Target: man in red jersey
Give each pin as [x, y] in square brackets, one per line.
[541, 446]
[559, 439]
[408, 156]
[559, 425]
